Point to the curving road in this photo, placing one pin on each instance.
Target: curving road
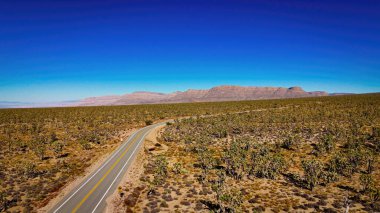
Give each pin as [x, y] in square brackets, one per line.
[90, 195]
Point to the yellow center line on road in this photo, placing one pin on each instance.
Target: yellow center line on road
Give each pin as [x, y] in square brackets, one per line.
[106, 174]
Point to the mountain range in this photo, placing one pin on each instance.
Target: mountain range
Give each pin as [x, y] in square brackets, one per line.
[219, 93]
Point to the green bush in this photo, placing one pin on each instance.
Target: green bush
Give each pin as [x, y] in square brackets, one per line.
[313, 170]
[291, 142]
[325, 144]
[266, 164]
[235, 158]
[160, 170]
[148, 122]
[177, 168]
[374, 194]
[366, 181]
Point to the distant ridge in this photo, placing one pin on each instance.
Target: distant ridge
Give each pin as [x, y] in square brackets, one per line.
[219, 93]
[14, 104]
[11, 104]
[341, 93]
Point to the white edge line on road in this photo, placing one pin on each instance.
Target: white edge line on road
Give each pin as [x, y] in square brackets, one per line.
[138, 145]
[113, 155]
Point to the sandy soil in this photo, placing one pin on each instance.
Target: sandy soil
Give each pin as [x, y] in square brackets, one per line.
[72, 184]
[134, 172]
[182, 193]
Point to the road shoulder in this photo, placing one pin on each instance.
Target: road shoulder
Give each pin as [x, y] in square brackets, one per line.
[78, 180]
[133, 174]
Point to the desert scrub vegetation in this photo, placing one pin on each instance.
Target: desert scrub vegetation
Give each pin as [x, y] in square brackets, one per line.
[310, 154]
[43, 149]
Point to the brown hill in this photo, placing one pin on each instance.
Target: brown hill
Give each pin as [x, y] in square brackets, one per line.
[220, 93]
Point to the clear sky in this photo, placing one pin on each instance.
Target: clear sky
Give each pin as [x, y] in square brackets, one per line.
[66, 50]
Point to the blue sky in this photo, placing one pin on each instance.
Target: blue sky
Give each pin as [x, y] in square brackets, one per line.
[67, 50]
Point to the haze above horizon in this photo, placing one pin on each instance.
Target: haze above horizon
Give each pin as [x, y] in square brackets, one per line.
[68, 50]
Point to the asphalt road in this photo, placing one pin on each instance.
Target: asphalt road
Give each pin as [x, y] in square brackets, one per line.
[90, 195]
